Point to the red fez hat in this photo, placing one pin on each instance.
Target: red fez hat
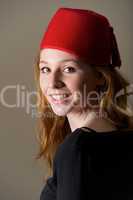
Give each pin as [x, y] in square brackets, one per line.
[84, 33]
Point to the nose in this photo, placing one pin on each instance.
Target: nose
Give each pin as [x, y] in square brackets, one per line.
[56, 80]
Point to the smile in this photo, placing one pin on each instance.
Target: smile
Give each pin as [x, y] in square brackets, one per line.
[59, 98]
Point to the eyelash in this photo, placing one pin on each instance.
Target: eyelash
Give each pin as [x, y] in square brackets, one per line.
[64, 69]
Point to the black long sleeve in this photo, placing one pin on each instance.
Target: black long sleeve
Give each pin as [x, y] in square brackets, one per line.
[49, 191]
[91, 166]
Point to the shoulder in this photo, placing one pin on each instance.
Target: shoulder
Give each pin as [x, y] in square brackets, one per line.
[69, 148]
[84, 135]
[70, 142]
[90, 140]
[73, 140]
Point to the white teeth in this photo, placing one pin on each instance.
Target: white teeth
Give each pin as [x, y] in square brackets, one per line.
[59, 97]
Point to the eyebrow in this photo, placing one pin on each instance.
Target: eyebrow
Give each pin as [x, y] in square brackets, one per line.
[62, 61]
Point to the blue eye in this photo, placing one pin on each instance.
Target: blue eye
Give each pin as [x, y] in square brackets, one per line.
[70, 69]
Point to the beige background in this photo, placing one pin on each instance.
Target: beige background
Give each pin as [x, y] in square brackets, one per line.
[22, 24]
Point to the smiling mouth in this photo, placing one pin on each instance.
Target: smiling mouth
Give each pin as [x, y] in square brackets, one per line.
[59, 98]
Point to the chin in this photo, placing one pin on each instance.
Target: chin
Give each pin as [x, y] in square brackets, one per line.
[61, 110]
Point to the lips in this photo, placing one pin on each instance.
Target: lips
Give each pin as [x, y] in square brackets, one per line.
[59, 93]
[60, 98]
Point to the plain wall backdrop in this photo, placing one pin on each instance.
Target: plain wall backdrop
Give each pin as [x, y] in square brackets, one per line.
[22, 24]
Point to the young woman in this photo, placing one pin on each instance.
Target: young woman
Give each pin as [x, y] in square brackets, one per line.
[85, 129]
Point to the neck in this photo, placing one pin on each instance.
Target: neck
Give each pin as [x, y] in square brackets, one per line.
[90, 119]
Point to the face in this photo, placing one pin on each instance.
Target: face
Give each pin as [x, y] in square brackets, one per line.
[64, 79]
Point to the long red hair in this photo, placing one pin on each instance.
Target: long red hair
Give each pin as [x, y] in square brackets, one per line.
[53, 129]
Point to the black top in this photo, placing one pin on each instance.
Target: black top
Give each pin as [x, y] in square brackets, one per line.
[92, 166]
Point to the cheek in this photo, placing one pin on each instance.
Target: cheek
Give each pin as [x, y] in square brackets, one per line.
[90, 84]
[75, 83]
[41, 82]
[87, 84]
[90, 80]
[43, 85]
